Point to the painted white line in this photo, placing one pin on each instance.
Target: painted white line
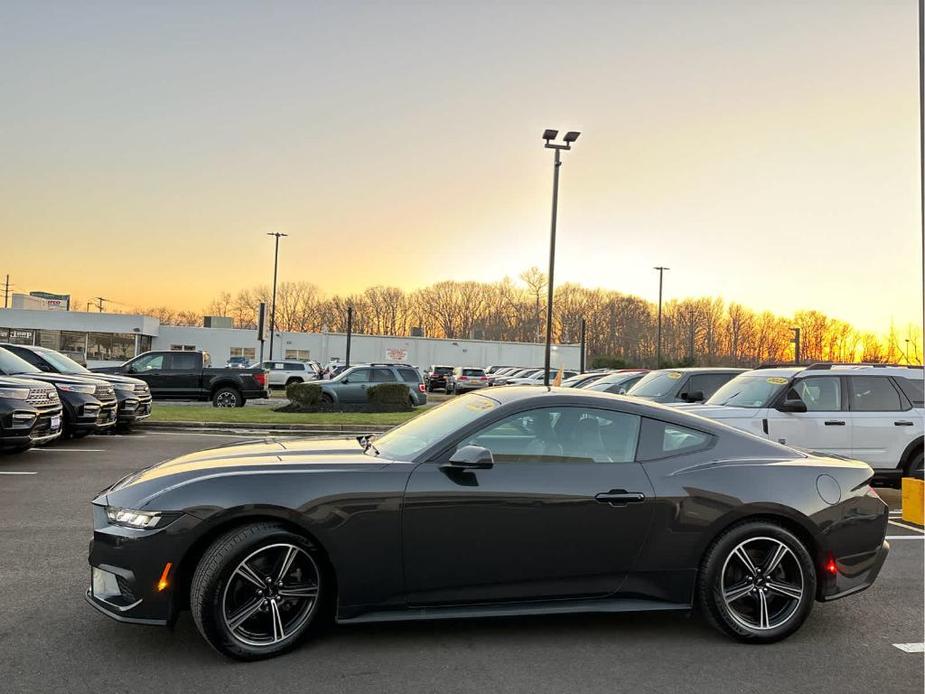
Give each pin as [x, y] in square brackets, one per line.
[896, 513]
[907, 527]
[905, 537]
[68, 450]
[911, 647]
[17, 473]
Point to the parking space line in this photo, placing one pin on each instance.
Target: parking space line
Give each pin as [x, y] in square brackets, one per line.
[67, 450]
[907, 527]
[905, 537]
[911, 647]
[16, 472]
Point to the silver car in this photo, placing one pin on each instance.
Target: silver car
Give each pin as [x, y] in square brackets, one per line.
[466, 378]
[285, 373]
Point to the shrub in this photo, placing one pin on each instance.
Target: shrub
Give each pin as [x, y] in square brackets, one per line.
[304, 395]
[390, 395]
[606, 362]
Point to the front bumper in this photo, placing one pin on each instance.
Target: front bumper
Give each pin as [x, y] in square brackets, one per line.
[134, 410]
[854, 573]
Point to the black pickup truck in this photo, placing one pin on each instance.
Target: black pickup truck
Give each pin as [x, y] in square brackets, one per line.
[189, 376]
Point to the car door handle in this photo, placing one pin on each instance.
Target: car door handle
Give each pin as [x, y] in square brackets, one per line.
[835, 422]
[904, 423]
[619, 497]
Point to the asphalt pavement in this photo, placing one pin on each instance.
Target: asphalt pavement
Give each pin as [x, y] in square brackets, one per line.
[51, 640]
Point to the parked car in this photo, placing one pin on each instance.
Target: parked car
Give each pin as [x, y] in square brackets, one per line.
[188, 376]
[494, 368]
[238, 363]
[89, 403]
[285, 373]
[536, 379]
[436, 378]
[349, 388]
[132, 394]
[516, 373]
[682, 385]
[30, 414]
[870, 413]
[583, 379]
[618, 383]
[514, 501]
[466, 378]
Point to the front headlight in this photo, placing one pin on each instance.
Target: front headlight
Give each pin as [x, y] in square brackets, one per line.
[130, 387]
[133, 519]
[76, 388]
[14, 393]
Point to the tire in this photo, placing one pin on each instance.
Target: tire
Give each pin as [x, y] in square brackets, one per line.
[327, 399]
[724, 573]
[915, 465]
[273, 622]
[79, 434]
[226, 396]
[293, 380]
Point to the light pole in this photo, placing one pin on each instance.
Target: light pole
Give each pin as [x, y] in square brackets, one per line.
[277, 234]
[658, 334]
[567, 140]
[796, 344]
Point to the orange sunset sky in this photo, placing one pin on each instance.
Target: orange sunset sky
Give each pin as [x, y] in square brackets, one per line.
[767, 151]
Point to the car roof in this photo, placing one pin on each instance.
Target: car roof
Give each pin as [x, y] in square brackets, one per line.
[703, 369]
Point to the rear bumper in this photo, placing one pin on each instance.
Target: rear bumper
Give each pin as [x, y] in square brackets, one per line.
[855, 573]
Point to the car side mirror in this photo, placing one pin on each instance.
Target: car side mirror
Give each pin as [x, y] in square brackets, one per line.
[471, 458]
[130, 369]
[792, 405]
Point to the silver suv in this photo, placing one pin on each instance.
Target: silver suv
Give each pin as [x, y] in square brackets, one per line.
[285, 373]
[349, 388]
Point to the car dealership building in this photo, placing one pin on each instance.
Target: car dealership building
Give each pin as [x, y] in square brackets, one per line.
[103, 339]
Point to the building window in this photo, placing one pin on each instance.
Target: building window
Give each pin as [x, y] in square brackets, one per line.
[298, 354]
[110, 346]
[19, 337]
[182, 348]
[246, 352]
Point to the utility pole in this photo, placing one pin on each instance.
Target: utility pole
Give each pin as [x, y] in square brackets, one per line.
[658, 335]
[277, 234]
[99, 302]
[349, 335]
[796, 344]
[568, 140]
[6, 292]
[584, 327]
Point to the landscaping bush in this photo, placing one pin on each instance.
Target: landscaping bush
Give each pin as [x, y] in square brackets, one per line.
[388, 396]
[304, 395]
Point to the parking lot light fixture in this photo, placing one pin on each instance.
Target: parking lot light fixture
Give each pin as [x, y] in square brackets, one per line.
[277, 234]
[549, 136]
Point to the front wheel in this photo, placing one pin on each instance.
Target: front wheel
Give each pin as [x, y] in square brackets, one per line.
[227, 397]
[757, 582]
[256, 591]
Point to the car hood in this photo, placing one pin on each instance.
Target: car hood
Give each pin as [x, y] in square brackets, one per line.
[115, 378]
[253, 456]
[60, 378]
[21, 382]
[716, 411]
[107, 369]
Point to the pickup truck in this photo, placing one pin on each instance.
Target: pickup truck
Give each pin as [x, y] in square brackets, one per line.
[189, 376]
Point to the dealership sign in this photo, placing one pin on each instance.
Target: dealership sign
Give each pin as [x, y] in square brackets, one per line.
[396, 354]
[54, 302]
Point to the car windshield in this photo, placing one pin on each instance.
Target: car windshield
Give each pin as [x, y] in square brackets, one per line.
[62, 364]
[11, 364]
[412, 438]
[603, 384]
[656, 384]
[749, 390]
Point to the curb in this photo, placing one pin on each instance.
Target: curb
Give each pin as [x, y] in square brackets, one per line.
[255, 426]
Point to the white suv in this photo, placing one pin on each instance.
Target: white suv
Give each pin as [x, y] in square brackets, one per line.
[867, 412]
[284, 373]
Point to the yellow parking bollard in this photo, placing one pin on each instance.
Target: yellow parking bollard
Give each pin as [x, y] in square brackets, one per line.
[913, 500]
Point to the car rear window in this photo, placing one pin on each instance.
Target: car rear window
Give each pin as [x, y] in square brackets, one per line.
[443, 370]
[409, 375]
[473, 372]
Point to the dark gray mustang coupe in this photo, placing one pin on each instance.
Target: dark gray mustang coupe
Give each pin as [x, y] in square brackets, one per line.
[518, 500]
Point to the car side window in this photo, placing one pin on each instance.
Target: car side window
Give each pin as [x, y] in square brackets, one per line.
[179, 361]
[149, 363]
[662, 440]
[561, 435]
[914, 390]
[358, 376]
[873, 394]
[382, 376]
[409, 375]
[294, 366]
[819, 394]
[707, 383]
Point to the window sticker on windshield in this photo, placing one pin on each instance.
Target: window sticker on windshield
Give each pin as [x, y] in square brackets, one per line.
[674, 375]
[777, 380]
[480, 404]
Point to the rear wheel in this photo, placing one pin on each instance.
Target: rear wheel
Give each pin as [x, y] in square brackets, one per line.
[757, 582]
[293, 380]
[326, 399]
[915, 465]
[227, 397]
[256, 591]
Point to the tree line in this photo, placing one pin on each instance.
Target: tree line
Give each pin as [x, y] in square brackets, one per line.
[621, 328]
